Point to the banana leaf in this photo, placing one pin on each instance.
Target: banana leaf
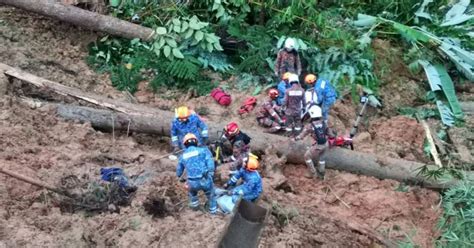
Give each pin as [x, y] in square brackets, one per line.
[364, 21]
[421, 11]
[456, 14]
[439, 80]
[411, 34]
[115, 3]
[446, 115]
[462, 59]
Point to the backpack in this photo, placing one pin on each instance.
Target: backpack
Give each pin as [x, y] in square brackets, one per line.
[248, 105]
[221, 97]
[320, 133]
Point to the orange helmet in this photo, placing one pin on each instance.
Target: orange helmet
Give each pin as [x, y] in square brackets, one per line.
[182, 113]
[310, 79]
[190, 139]
[286, 76]
[273, 93]
[252, 163]
[232, 128]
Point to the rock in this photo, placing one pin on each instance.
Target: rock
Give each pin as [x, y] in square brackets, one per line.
[3, 84]
[362, 137]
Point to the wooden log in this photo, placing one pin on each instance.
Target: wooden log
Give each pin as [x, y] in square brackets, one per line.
[33, 181]
[139, 118]
[336, 158]
[83, 18]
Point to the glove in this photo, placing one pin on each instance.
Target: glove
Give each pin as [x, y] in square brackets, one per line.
[225, 186]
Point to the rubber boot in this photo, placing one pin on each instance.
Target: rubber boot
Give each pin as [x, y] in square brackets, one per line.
[321, 169]
[311, 172]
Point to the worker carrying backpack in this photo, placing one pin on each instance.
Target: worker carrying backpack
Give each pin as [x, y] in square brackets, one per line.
[221, 97]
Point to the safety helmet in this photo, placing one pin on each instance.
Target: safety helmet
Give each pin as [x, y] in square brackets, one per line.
[273, 93]
[310, 79]
[232, 128]
[190, 139]
[315, 112]
[290, 43]
[252, 163]
[293, 78]
[286, 75]
[182, 113]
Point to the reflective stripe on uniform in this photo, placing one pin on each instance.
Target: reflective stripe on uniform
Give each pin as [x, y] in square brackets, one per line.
[233, 179]
[174, 138]
[295, 93]
[194, 203]
[190, 154]
[323, 84]
[204, 132]
[297, 128]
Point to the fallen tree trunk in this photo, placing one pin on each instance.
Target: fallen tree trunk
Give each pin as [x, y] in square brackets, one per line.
[145, 119]
[83, 18]
[33, 181]
[337, 158]
[467, 107]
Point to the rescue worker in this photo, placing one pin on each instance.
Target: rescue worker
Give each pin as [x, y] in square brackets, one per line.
[237, 159]
[233, 134]
[251, 186]
[199, 164]
[321, 134]
[187, 122]
[269, 113]
[293, 104]
[282, 87]
[326, 94]
[288, 59]
[310, 95]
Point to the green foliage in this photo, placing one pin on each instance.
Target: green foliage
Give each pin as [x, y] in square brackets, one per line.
[186, 69]
[423, 113]
[457, 223]
[342, 69]
[168, 39]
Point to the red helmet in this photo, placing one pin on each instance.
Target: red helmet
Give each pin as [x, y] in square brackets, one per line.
[273, 93]
[232, 128]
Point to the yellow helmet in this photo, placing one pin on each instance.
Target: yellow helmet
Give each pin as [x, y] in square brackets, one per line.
[182, 113]
[286, 75]
[310, 79]
[252, 163]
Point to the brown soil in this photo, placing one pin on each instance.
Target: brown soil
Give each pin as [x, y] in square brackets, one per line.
[36, 143]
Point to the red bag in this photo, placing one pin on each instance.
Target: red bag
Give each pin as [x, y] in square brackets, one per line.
[221, 97]
[248, 105]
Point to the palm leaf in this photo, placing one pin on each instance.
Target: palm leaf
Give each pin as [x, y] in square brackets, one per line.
[409, 33]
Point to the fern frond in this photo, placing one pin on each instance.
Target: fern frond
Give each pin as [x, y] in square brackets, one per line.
[187, 68]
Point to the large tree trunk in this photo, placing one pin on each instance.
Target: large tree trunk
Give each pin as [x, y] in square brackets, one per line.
[141, 118]
[83, 18]
[337, 158]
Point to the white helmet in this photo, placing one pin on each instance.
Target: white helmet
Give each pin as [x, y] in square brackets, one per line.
[315, 112]
[290, 43]
[293, 78]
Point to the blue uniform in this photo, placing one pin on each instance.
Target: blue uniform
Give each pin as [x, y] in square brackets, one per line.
[193, 125]
[199, 165]
[326, 96]
[251, 187]
[282, 87]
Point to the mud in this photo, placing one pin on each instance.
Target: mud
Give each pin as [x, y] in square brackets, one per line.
[36, 143]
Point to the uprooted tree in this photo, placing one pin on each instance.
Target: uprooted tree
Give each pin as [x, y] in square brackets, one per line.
[125, 116]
